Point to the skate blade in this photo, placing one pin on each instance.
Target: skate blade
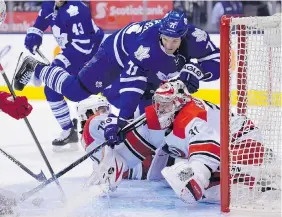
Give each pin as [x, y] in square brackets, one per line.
[70, 147]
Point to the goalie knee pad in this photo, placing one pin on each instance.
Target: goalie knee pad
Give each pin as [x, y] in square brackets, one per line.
[188, 179]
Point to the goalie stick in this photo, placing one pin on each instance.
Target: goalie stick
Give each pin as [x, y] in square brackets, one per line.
[134, 124]
[39, 177]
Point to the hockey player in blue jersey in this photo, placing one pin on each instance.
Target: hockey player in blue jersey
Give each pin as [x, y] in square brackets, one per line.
[131, 63]
[79, 39]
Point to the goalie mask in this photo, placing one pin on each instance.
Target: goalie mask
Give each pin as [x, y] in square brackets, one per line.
[169, 98]
[92, 105]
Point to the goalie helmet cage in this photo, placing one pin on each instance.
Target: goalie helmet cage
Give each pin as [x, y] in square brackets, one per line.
[251, 85]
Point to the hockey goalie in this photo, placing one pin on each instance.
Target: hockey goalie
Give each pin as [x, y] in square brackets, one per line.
[186, 128]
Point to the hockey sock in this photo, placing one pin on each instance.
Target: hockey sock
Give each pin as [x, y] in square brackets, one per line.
[61, 112]
[52, 76]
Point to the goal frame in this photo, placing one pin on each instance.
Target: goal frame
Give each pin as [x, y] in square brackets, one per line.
[224, 114]
[225, 96]
[225, 62]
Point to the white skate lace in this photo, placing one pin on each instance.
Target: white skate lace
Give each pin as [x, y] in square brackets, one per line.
[26, 77]
[64, 135]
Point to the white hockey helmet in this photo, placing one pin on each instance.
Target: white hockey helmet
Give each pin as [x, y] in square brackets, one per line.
[92, 105]
[169, 98]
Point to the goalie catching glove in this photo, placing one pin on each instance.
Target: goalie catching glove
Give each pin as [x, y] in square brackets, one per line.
[188, 180]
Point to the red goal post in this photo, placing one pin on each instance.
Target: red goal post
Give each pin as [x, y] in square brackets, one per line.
[251, 86]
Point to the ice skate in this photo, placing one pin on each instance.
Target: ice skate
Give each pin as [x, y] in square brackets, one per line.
[68, 140]
[25, 72]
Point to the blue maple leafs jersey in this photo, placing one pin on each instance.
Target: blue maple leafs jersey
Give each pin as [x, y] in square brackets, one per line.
[73, 28]
[143, 63]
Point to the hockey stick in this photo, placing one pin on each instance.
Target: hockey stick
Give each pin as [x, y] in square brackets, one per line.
[13, 80]
[59, 174]
[33, 134]
[141, 120]
[42, 56]
[136, 123]
[39, 177]
[4, 51]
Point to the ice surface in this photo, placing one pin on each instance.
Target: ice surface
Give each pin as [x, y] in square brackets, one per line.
[132, 198]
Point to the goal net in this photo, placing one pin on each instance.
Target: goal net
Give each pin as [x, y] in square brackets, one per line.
[251, 113]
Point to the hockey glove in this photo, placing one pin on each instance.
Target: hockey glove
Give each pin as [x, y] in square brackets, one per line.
[196, 70]
[191, 74]
[192, 83]
[112, 128]
[18, 108]
[33, 39]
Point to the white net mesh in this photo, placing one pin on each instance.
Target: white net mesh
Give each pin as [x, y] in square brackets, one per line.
[255, 95]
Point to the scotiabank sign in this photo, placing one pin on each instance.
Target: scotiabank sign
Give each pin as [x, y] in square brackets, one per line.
[19, 22]
[113, 15]
[109, 15]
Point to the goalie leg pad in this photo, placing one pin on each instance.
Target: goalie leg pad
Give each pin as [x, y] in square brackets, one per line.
[111, 168]
[188, 180]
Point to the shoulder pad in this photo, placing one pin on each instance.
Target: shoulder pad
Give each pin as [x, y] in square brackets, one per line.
[197, 34]
[185, 116]
[75, 10]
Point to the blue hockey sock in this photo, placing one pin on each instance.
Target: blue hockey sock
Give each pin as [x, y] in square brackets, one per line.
[52, 76]
[61, 112]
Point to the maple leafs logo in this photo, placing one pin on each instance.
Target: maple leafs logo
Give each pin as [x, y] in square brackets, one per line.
[99, 84]
[200, 35]
[142, 53]
[73, 10]
[164, 77]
